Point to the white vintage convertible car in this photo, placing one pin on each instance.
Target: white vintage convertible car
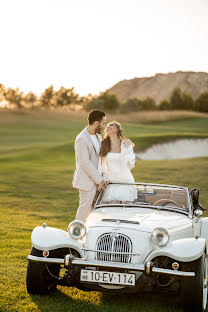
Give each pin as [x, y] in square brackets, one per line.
[155, 242]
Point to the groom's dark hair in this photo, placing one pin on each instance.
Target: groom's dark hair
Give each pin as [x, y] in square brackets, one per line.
[95, 115]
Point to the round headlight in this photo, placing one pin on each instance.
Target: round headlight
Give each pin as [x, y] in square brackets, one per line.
[77, 229]
[160, 236]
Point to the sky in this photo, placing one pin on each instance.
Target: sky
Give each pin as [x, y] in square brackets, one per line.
[93, 44]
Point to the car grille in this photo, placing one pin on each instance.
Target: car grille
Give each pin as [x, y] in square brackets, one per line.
[114, 247]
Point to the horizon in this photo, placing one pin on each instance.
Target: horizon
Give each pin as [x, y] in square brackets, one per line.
[101, 91]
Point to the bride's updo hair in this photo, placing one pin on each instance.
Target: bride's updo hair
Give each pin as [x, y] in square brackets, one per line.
[106, 143]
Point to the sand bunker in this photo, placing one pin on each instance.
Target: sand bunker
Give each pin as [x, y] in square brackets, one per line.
[184, 148]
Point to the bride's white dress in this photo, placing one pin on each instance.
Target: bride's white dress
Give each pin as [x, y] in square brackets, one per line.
[116, 167]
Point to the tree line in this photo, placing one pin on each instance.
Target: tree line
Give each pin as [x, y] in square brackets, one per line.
[178, 100]
[67, 97]
[15, 98]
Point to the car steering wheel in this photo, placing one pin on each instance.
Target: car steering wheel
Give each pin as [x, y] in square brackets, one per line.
[164, 202]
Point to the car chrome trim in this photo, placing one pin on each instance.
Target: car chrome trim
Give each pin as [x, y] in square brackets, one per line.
[148, 268]
[145, 206]
[98, 198]
[111, 265]
[153, 184]
[120, 221]
[189, 202]
[45, 260]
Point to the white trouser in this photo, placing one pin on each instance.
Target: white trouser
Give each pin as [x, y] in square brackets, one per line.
[85, 203]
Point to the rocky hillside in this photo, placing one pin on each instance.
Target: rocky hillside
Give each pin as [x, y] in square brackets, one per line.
[160, 86]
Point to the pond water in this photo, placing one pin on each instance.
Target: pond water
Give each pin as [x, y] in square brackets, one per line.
[184, 148]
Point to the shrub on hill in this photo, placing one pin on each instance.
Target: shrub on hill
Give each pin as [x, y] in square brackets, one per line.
[201, 104]
[2, 92]
[187, 102]
[164, 105]
[134, 105]
[131, 105]
[106, 102]
[47, 97]
[148, 104]
[181, 100]
[65, 97]
[14, 97]
[176, 101]
[30, 100]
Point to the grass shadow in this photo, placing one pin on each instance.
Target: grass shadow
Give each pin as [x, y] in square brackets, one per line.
[72, 299]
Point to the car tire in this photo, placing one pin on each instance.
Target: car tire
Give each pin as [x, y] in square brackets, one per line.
[39, 280]
[194, 290]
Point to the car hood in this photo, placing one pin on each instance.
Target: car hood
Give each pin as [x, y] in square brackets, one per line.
[141, 219]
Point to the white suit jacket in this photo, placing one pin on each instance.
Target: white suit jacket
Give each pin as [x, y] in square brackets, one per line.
[87, 161]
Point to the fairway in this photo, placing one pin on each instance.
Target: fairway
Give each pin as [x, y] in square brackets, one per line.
[36, 169]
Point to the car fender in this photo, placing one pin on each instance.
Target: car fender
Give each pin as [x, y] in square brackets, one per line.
[185, 250]
[49, 238]
[204, 231]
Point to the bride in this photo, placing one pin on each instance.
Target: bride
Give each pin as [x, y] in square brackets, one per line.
[117, 160]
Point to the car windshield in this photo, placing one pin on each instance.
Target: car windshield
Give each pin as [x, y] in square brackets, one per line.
[144, 195]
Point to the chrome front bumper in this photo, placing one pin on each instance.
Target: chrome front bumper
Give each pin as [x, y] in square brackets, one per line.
[148, 268]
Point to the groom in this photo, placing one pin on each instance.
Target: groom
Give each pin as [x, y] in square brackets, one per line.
[87, 178]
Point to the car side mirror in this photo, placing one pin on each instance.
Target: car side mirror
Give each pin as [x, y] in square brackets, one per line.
[194, 193]
[198, 213]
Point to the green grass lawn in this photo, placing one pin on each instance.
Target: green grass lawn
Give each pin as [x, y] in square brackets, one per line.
[36, 169]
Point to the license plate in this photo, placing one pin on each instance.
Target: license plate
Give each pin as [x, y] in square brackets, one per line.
[107, 277]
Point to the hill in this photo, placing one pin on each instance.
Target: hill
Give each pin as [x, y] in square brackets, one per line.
[160, 86]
